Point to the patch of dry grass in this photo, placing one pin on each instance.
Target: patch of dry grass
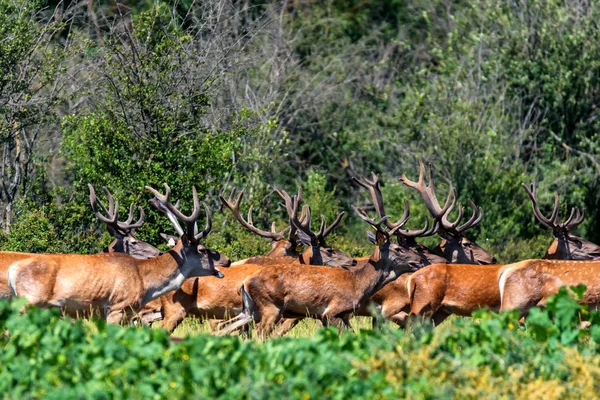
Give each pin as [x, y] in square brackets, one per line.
[305, 328]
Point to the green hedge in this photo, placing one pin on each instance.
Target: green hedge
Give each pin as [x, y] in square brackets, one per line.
[46, 356]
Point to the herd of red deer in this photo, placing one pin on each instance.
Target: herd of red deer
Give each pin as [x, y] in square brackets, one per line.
[400, 280]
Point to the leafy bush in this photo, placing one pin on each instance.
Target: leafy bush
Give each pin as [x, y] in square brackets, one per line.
[46, 356]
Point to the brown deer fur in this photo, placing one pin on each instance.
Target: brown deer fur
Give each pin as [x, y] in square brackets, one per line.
[439, 290]
[220, 298]
[530, 283]
[329, 294]
[110, 284]
[7, 258]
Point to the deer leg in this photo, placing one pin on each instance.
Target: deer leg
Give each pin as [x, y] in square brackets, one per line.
[115, 316]
[172, 318]
[399, 319]
[286, 325]
[439, 317]
[174, 311]
[269, 316]
[427, 298]
[396, 310]
[214, 324]
[339, 322]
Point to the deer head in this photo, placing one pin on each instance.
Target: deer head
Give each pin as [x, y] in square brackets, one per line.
[318, 252]
[565, 246]
[280, 244]
[389, 258]
[405, 237]
[123, 232]
[455, 247]
[197, 260]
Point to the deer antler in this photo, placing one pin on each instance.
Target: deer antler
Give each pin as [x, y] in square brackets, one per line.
[283, 195]
[190, 221]
[441, 213]
[291, 206]
[112, 214]
[156, 203]
[428, 193]
[375, 224]
[575, 218]
[475, 219]
[373, 187]
[234, 206]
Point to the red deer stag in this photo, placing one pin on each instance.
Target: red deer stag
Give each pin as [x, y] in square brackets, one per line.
[115, 284]
[219, 298]
[455, 247]
[392, 300]
[328, 294]
[528, 284]
[123, 232]
[439, 290]
[565, 245]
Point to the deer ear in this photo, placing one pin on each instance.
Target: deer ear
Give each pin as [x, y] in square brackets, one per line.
[171, 240]
[371, 237]
[304, 238]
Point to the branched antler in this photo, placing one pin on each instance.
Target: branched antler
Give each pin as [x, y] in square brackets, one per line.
[304, 224]
[111, 216]
[427, 193]
[373, 187]
[190, 221]
[234, 205]
[575, 218]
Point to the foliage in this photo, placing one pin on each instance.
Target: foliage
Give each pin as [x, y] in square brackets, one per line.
[265, 94]
[490, 354]
[30, 63]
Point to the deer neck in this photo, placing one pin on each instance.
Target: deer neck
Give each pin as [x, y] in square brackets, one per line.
[162, 274]
[451, 251]
[281, 248]
[369, 278]
[307, 256]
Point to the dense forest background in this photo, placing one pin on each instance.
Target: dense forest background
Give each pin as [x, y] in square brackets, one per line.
[260, 94]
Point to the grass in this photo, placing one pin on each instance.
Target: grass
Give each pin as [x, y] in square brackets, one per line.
[306, 328]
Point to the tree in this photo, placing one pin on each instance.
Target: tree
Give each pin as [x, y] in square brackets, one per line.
[29, 64]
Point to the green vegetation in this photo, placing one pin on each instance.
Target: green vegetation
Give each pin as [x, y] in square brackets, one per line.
[269, 94]
[264, 94]
[46, 356]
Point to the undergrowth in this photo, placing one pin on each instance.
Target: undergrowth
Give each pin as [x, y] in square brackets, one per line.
[47, 356]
